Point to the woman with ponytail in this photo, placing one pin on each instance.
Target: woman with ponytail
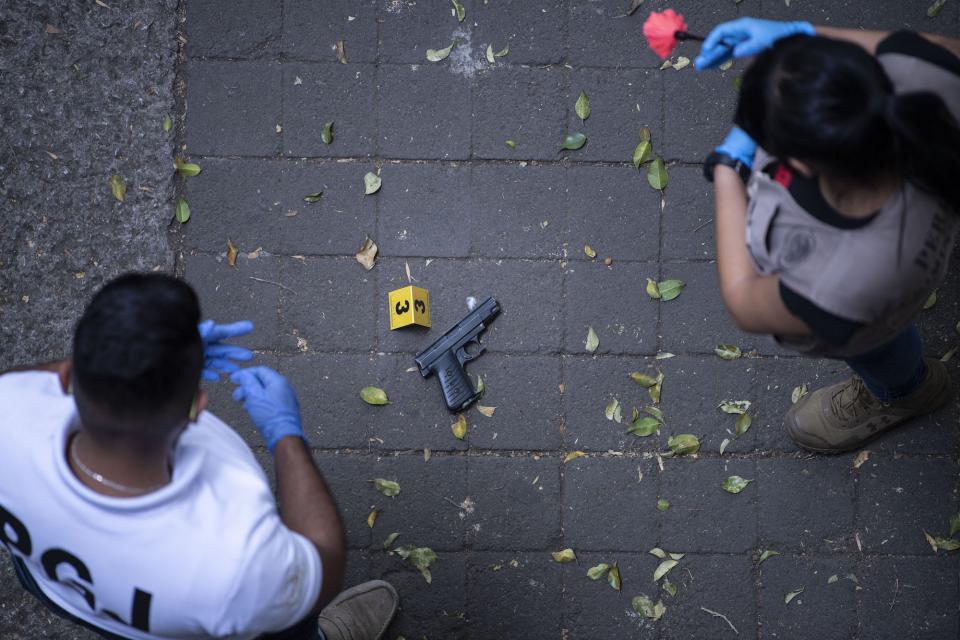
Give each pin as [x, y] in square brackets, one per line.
[842, 176]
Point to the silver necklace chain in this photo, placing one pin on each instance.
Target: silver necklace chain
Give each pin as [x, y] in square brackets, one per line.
[101, 479]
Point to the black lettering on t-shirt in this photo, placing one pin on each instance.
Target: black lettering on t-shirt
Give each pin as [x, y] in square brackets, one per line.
[53, 558]
[22, 541]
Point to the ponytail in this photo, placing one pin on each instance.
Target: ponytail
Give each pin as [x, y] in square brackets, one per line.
[926, 139]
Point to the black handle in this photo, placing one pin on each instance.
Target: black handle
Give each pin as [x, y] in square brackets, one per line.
[457, 388]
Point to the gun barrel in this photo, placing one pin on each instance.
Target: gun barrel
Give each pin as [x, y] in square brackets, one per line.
[472, 323]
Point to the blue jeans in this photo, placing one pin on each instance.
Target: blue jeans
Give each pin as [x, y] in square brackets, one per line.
[894, 370]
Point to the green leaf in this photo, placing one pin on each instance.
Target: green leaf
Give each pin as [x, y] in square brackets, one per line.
[793, 594]
[653, 290]
[833, 579]
[421, 558]
[669, 587]
[167, 123]
[389, 488]
[511, 144]
[655, 412]
[798, 393]
[683, 443]
[118, 187]
[390, 539]
[769, 553]
[313, 197]
[592, 340]
[942, 544]
[737, 82]
[658, 553]
[574, 141]
[582, 107]
[502, 52]
[682, 61]
[371, 183]
[743, 423]
[186, 169]
[646, 608]
[655, 390]
[662, 505]
[481, 385]
[643, 379]
[567, 555]
[183, 211]
[613, 577]
[490, 57]
[954, 524]
[645, 134]
[931, 300]
[374, 395]
[643, 427]
[613, 411]
[595, 573]
[935, 8]
[734, 406]
[735, 484]
[727, 351]
[657, 174]
[664, 568]
[326, 134]
[458, 8]
[670, 289]
[642, 153]
[436, 55]
[723, 445]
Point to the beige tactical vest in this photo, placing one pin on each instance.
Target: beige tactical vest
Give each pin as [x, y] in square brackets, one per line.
[879, 274]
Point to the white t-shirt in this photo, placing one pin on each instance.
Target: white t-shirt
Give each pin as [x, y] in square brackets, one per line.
[205, 556]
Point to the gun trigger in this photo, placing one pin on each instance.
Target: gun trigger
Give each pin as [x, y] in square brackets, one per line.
[465, 356]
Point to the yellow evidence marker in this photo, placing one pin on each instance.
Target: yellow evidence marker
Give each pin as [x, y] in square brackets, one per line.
[409, 305]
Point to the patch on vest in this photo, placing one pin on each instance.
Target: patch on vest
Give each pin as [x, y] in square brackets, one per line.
[798, 246]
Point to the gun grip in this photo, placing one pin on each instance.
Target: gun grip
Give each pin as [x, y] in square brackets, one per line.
[457, 388]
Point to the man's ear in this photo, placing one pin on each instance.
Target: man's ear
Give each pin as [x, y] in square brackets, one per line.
[202, 401]
[65, 373]
[801, 167]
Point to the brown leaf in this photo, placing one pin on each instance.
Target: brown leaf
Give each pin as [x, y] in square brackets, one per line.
[487, 411]
[860, 459]
[231, 253]
[367, 254]
[52, 29]
[341, 53]
[573, 455]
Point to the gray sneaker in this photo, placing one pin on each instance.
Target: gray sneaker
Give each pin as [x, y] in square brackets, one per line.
[846, 415]
[362, 612]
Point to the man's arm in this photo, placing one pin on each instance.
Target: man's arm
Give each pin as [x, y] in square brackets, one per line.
[307, 507]
[753, 300]
[59, 367]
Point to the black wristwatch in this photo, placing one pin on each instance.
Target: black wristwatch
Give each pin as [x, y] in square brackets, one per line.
[716, 158]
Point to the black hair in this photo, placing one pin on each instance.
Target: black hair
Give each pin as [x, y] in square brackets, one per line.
[830, 104]
[137, 356]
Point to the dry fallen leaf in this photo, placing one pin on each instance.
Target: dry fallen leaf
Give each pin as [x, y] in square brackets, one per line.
[573, 455]
[231, 253]
[592, 340]
[372, 518]
[341, 53]
[798, 393]
[52, 29]
[459, 428]
[613, 577]
[793, 594]
[567, 555]
[367, 254]
[587, 249]
[664, 568]
[487, 411]
[861, 458]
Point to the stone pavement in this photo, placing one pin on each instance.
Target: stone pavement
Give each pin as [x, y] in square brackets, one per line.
[470, 216]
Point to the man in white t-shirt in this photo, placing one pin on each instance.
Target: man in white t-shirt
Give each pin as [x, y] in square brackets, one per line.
[129, 509]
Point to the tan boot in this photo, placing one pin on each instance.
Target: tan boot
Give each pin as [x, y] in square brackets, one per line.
[844, 416]
[362, 612]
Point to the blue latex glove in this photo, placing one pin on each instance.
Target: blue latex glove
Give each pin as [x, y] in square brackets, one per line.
[739, 146]
[271, 402]
[217, 356]
[745, 37]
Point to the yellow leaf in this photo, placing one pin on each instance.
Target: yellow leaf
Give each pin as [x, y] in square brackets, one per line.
[567, 555]
[487, 411]
[118, 187]
[573, 455]
[587, 249]
[459, 427]
[372, 518]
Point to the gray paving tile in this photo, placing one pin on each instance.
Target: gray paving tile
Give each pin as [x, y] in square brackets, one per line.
[534, 31]
[522, 104]
[614, 210]
[691, 130]
[596, 490]
[234, 108]
[311, 31]
[824, 485]
[692, 487]
[408, 29]
[434, 610]
[611, 300]
[720, 583]
[688, 216]
[314, 94]
[228, 29]
[516, 503]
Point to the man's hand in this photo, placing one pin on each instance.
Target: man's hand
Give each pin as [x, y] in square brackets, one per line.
[217, 356]
[271, 402]
[739, 146]
[745, 37]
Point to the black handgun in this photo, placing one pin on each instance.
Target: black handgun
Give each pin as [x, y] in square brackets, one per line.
[447, 355]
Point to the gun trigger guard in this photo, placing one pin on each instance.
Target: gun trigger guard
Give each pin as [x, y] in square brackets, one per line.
[465, 357]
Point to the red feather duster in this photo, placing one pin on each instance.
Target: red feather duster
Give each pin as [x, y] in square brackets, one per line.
[663, 29]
